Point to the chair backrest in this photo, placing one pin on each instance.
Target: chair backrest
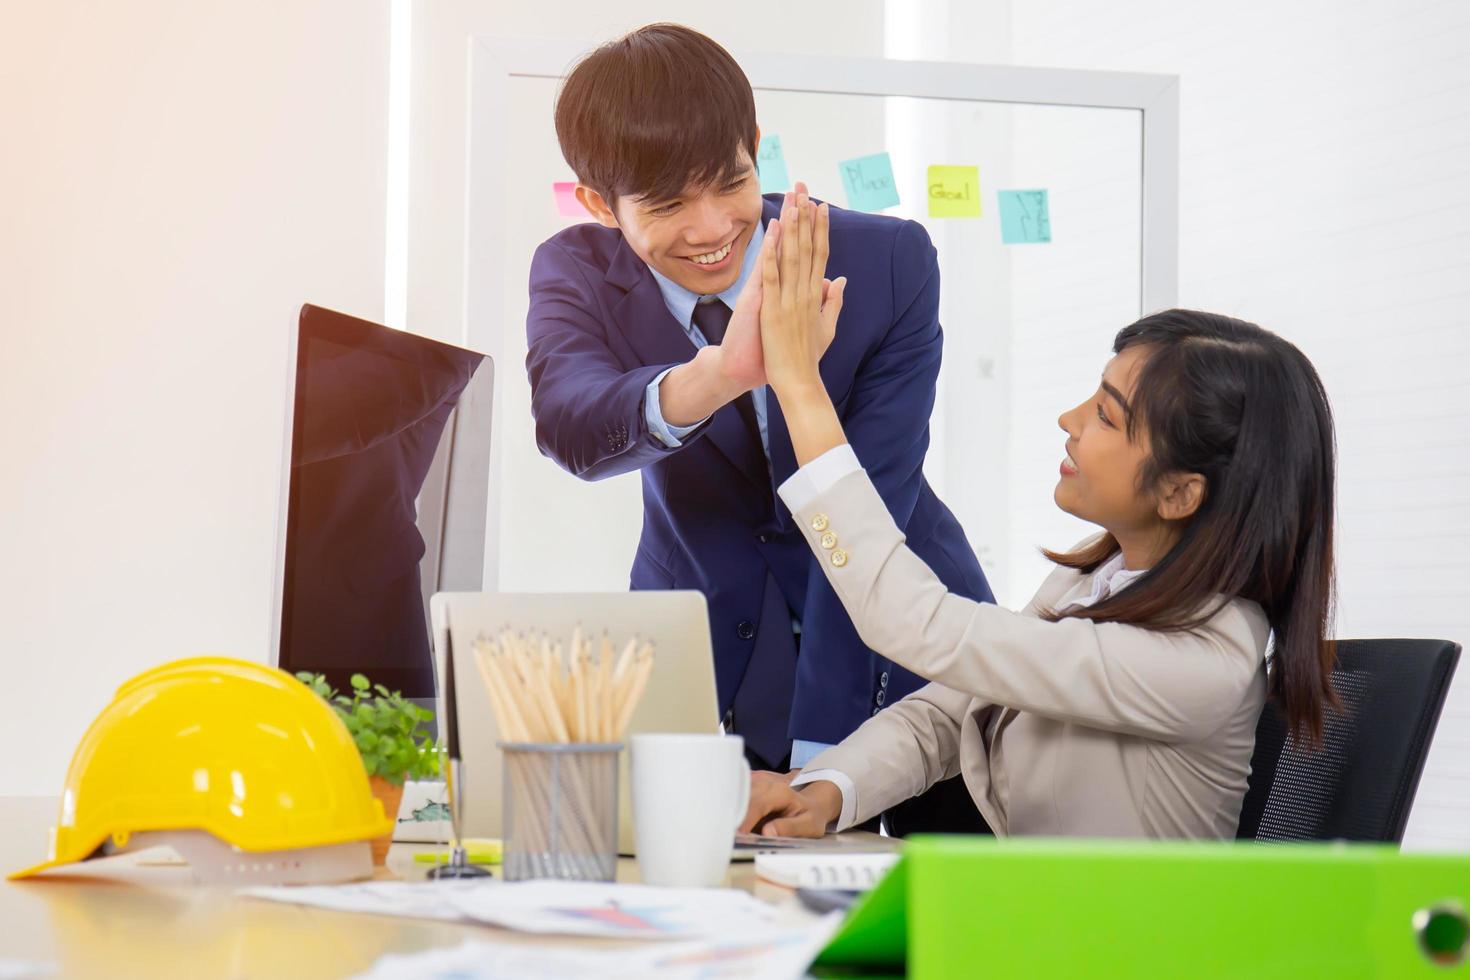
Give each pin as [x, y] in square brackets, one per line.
[1360, 784]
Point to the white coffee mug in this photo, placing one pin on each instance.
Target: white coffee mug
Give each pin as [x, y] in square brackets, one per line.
[689, 796]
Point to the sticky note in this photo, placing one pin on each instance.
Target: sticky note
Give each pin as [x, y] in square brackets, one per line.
[1024, 217]
[478, 850]
[770, 162]
[567, 204]
[869, 182]
[954, 192]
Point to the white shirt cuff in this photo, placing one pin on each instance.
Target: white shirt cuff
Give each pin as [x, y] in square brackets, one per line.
[844, 786]
[818, 476]
[672, 436]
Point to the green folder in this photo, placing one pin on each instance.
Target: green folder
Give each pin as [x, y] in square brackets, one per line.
[1033, 907]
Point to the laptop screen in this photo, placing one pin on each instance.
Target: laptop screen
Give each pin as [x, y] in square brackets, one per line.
[388, 482]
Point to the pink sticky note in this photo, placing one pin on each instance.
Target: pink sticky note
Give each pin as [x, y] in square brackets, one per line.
[567, 204]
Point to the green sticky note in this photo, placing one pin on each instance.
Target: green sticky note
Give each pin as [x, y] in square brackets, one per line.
[1024, 217]
[770, 162]
[954, 192]
[869, 182]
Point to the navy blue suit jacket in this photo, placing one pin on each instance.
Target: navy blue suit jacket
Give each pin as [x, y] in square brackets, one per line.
[598, 332]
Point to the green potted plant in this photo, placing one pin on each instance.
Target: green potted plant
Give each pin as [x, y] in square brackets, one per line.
[392, 737]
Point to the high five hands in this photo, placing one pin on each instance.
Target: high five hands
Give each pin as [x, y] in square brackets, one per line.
[799, 305]
[800, 320]
[798, 310]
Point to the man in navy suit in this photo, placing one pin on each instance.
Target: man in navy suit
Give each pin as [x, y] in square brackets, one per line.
[644, 354]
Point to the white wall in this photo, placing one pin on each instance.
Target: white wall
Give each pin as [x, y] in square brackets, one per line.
[1325, 151]
[175, 180]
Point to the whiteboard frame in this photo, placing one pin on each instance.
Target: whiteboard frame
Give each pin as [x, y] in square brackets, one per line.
[494, 61]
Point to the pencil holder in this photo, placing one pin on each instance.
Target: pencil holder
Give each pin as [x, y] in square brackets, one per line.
[561, 810]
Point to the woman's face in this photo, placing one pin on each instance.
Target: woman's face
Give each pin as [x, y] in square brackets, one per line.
[1100, 473]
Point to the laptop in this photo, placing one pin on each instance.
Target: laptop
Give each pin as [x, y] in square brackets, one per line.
[680, 696]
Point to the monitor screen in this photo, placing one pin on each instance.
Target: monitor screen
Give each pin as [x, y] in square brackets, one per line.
[388, 479]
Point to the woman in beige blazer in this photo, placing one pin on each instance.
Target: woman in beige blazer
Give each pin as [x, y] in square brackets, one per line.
[1123, 699]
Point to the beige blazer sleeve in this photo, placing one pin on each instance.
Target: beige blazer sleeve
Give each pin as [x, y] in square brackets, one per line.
[1163, 686]
[902, 751]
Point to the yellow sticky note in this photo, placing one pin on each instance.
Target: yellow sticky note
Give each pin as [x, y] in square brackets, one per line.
[478, 850]
[954, 192]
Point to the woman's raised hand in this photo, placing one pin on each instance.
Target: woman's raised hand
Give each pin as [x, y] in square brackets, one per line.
[799, 308]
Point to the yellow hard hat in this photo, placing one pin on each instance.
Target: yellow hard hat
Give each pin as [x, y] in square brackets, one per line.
[238, 749]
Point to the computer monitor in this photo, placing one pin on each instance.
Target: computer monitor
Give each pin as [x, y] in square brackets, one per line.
[384, 496]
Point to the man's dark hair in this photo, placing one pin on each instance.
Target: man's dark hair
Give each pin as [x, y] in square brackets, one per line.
[653, 112]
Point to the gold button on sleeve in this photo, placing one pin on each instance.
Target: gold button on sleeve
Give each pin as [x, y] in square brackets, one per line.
[819, 523]
[839, 558]
[829, 540]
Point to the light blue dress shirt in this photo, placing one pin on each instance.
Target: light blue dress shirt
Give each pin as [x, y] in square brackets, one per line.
[681, 303]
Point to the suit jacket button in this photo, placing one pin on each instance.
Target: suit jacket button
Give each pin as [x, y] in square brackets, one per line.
[819, 523]
[745, 630]
[882, 696]
[883, 679]
[839, 558]
[829, 540]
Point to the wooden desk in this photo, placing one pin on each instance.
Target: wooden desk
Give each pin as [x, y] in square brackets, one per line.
[96, 928]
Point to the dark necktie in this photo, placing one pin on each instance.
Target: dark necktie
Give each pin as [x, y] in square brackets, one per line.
[712, 317]
[761, 708]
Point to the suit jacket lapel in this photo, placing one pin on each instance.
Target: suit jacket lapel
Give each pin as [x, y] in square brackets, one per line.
[658, 338]
[641, 315]
[783, 457]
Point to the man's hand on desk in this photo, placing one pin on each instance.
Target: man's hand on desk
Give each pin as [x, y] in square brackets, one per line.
[780, 811]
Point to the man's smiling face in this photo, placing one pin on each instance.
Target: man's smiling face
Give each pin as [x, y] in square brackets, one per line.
[699, 238]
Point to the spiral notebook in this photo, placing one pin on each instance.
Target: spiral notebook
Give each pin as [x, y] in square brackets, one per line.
[815, 869]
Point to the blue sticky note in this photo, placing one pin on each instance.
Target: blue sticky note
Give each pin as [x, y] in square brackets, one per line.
[869, 182]
[771, 164]
[1024, 217]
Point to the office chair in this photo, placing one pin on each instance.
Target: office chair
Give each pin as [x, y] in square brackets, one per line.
[1360, 784]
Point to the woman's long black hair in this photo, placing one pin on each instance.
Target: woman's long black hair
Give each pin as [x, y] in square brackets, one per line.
[1246, 410]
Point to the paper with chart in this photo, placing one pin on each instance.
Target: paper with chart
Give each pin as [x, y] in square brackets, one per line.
[567, 908]
[609, 911]
[777, 956]
[411, 900]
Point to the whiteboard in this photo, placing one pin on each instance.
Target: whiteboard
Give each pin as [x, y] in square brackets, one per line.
[995, 444]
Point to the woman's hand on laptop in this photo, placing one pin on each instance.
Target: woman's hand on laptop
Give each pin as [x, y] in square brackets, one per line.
[777, 810]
